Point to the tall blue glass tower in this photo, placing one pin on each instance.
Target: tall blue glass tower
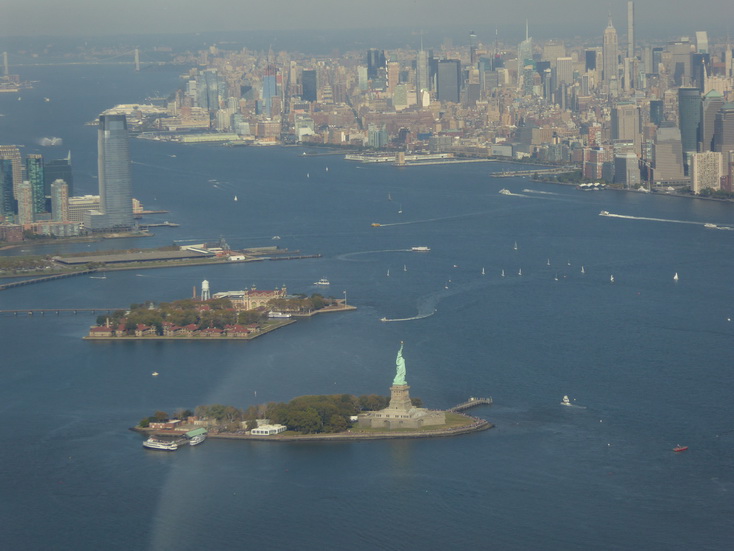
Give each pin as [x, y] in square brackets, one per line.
[115, 184]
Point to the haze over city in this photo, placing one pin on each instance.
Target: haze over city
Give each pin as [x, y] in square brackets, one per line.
[554, 18]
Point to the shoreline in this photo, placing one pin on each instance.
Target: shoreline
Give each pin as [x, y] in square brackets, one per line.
[476, 425]
[220, 338]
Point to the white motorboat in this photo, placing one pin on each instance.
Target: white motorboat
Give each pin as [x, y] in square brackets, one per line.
[504, 191]
[155, 444]
[611, 278]
[420, 249]
[566, 401]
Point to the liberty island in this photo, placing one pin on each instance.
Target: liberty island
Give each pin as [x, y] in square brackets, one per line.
[400, 419]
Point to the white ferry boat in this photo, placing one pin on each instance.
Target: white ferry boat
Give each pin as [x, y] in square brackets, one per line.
[155, 444]
[322, 281]
[279, 315]
[420, 249]
[504, 191]
[198, 439]
[604, 213]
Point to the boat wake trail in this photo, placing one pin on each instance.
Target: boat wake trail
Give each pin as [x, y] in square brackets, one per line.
[418, 317]
[540, 192]
[348, 256]
[672, 221]
[443, 218]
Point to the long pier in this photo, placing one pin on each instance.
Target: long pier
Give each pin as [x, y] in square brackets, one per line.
[472, 403]
[43, 279]
[57, 311]
[539, 172]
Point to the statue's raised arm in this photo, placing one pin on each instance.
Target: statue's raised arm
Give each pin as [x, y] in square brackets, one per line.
[400, 368]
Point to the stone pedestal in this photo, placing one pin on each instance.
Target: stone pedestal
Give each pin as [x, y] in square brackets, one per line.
[400, 398]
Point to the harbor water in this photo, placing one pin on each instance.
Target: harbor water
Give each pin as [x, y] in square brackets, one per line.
[645, 360]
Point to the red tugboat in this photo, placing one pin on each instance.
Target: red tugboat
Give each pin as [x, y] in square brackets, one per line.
[680, 448]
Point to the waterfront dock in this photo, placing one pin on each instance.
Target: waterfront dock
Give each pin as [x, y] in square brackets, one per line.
[538, 172]
[472, 403]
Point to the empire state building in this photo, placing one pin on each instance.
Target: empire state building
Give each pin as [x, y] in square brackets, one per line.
[610, 52]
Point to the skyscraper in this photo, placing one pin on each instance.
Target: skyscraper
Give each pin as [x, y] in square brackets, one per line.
[115, 184]
[630, 29]
[309, 85]
[667, 154]
[12, 153]
[60, 201]
[57, 169]
[610, 52]
[34, 174]
[705, 171]
[524, 55]
[657, 112]
[375, 61]
[448, 78]
[689, 117]
[723, 141]
[626, 124]
[710, 105]
[7, 201]
[25, 203]
[473, 49]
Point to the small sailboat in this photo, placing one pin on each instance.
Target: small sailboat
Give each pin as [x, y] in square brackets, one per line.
[483, 272]
[235, 199]
[503, 273]
[582, 270]
[327, 169]
[611, 278]
[519, 272]
[400, 211]
[388, 272]
[405, 268]
[569, 262]
[515, 246]
[389, 197]
[555, 278]
[675, 277]
[547, 262]
[308, 175]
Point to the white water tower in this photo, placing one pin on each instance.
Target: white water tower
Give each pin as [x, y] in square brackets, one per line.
[205, 294]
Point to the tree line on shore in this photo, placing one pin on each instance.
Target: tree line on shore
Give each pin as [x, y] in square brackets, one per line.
[326, 413]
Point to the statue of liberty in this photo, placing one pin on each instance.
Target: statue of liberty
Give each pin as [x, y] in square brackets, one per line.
[400, 368]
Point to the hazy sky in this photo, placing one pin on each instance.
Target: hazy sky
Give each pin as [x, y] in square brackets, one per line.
[109, 17]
